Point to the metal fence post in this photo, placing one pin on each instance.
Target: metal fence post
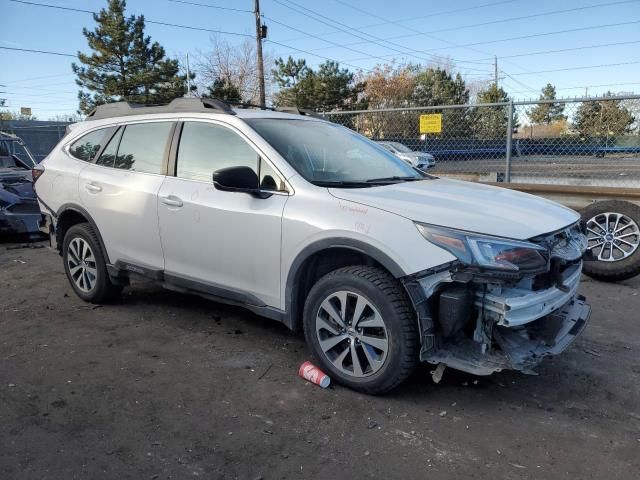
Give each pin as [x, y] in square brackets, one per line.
[507, 170]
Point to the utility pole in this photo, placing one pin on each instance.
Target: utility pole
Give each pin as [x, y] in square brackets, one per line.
[495, 70]
[188, 78]
[260, 34]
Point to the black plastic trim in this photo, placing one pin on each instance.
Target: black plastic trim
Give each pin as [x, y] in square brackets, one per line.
[76, 208]
[293, 278]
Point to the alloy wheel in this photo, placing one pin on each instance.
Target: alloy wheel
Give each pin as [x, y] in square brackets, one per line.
[612, 236]
[82, 264]
[352, 334]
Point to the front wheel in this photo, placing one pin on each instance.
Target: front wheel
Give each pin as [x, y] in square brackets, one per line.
[361, 328]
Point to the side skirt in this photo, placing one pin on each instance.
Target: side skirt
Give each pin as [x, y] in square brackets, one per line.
[121, 271]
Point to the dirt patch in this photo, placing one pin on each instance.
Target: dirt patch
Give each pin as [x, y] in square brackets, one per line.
[164, 385]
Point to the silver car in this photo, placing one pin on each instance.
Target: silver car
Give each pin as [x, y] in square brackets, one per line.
[419, 160]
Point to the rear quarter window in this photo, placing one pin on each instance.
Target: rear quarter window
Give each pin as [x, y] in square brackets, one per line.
[87, 146]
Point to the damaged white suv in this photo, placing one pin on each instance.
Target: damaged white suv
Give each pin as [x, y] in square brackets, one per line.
[311, 224]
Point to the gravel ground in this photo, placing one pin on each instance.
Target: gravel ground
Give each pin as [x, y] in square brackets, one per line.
[164, 385]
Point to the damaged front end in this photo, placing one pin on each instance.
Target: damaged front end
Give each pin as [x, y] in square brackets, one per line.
[483, 319]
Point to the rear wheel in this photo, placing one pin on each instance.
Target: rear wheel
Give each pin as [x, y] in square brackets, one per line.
[361, 328]
[613, 235]
[85, 266]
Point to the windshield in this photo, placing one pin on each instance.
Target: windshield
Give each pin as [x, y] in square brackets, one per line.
[401, 148]
[331, 155]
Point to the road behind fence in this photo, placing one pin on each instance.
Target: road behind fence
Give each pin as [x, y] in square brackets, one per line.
[588, 141]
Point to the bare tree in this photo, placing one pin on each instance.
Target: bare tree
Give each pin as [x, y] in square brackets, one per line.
[235, 65]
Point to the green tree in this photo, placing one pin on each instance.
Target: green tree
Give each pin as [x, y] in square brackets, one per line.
[328, 88]
[124, 64]
[439, 87]
[603, 118]
[547, 113]
[491, 122]
[225, 90]
[287, 76]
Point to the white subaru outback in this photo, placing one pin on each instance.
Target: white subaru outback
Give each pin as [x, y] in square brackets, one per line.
[308, 223]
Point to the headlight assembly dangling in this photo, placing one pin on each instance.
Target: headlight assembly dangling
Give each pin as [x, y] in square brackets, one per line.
[488, 252]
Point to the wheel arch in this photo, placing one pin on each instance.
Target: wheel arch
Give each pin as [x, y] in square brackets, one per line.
[322, 257]
[71, 214]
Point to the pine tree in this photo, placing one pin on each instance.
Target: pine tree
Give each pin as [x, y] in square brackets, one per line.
[547, 113]
[491, 122]
[604, 118]
[124, 64]
[225, 90]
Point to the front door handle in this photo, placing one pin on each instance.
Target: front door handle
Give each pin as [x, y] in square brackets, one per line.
[92, 187]
[171, 201]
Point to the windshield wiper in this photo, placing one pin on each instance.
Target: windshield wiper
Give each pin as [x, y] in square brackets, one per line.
[341, 183]
[395, 178]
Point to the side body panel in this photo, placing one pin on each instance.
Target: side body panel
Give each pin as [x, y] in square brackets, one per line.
[225, 239]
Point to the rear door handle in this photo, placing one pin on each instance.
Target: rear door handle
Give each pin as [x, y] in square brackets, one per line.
[91, 187]
[171, 201]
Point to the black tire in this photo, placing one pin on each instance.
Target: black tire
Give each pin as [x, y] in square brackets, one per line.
[102, 291]
[389, 298]
[625, 268]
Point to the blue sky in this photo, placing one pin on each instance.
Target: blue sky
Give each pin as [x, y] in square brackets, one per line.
[468, 33]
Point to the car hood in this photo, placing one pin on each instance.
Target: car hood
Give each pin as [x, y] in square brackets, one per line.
[466, 206]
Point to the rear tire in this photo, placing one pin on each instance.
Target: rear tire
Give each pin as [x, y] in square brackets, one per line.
[623, 218]
[85, 266]
[362, 312]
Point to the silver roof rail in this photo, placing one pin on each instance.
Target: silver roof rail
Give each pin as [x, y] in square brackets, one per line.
[187, 105]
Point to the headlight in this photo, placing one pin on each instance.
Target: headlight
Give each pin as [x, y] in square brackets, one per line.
[488, 252]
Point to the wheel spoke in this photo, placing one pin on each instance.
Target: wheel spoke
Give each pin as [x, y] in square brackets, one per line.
[595, 245]
[335, 316]
[323, 324]
[361, 304]
[374, 362]
[374, 321]
[331, 342]
[340, 358]
[628, 243]
[379, 343]
[74, 269]
[355, 360]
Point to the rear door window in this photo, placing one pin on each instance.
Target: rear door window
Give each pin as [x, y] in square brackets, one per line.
[87, 146]
[143, 147]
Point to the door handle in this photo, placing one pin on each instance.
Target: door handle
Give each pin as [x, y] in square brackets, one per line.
[91, 187]
[171, 201]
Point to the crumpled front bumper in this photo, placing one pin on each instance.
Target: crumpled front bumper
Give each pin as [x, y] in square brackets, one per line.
[522, 347]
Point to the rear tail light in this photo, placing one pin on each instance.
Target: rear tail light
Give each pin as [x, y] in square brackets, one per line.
[36, 172]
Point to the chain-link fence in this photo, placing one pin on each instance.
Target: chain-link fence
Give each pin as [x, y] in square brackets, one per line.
[40, 137]
[587, 141]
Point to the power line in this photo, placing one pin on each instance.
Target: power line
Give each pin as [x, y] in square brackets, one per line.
[493, 22]
[37, 51]
[531, 89]
[436, 14]
[350, 30]
[212, 6]
[154, 22]
[544, 34]
[582, 87]
[561, 50]
[604, 65]
[21, 80]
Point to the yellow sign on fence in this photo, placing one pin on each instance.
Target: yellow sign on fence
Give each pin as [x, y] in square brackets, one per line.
[431, 123]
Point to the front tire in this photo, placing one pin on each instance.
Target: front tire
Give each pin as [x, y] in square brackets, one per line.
[361, 328]
[85, 266]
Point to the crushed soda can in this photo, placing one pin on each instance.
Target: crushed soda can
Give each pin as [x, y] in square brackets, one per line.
[313, 374]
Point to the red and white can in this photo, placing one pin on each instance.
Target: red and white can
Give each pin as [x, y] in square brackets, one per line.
[310, 372]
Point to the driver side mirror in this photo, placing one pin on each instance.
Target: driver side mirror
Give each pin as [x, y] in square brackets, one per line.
[238, 179]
